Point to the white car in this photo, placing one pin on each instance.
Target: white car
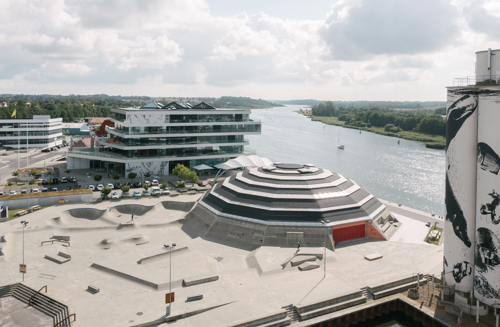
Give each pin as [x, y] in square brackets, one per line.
[100, 187]
[111, 186]
[147, 183]
[155, 190]
[165, 191]
[35, 190]
[12, 192]
[154, 182]
[114, 195]
[92, 187]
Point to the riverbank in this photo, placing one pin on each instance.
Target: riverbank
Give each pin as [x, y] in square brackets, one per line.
[431, 141]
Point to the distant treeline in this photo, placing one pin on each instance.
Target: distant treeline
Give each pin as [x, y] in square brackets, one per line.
[76, 107]
[370, 104]
[424, 121]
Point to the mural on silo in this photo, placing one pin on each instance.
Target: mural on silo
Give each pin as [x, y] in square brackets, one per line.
[461, 144]
[487, 239]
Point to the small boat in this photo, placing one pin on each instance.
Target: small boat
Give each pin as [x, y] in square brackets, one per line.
[339, 146]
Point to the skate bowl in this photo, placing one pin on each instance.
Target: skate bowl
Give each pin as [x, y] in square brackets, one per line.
[128, 209]
[83, 217]
[178, 206]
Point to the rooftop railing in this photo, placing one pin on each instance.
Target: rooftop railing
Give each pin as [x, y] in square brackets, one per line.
[478, 80]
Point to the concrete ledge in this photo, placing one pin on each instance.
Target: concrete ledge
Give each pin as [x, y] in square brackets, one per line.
[200, 279]
[332, 308]
[308, 266]
[159, 256]
[298, 260]
[395, 287]
[373, 256]
[56, 259]
[330, 301]
[274, 319]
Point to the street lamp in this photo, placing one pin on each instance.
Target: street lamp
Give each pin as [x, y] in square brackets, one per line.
[24, 223]
[326, 221]
[170, 281]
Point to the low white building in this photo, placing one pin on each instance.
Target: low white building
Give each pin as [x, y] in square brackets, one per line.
[39, 132]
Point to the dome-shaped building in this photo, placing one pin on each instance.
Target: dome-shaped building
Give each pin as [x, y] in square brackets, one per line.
[283, 204]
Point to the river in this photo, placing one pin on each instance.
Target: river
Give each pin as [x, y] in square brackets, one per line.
[407, 173]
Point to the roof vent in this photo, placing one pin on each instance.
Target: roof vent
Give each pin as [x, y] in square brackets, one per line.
[304, 171]
[269, 168]
[309, 165]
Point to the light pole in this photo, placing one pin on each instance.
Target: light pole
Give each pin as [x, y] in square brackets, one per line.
[326, 221]
[170, 279]
[24, 223]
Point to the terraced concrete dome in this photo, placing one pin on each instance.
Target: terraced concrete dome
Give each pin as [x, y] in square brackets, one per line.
[291, 193]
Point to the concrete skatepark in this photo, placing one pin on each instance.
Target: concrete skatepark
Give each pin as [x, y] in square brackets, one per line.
[240, 283]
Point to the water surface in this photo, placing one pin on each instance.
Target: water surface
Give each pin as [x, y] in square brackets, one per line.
[407, 173]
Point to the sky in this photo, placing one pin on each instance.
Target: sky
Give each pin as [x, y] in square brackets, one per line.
[392, 50]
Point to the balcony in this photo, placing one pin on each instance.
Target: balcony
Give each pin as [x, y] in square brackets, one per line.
[163, 141]
[478, 80]
[250, 128]
[193, 153]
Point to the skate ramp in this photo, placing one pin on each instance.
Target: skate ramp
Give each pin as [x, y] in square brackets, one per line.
[179, 206]
[83, 217]
[129, 209]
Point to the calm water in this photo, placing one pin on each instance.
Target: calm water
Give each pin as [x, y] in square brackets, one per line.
[407, 173]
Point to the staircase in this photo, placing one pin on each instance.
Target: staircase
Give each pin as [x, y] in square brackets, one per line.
[367, 293]
[291, 313]
[40, 302]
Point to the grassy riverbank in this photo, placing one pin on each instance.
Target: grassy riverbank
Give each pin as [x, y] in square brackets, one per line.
[431, 141]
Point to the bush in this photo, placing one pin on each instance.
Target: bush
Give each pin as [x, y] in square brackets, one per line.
[183, 172]
[9, 183]
[132, 175]
[200, 183]
[181, 184]
[125, 188]
[148, 174]
[15, 173]
[391, 128]
[163, 186]
[104, 192]
[116, 177]
[97, 177]
[146, 187]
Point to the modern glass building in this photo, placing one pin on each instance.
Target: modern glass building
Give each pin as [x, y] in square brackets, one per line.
[155, 138]
[39, 132]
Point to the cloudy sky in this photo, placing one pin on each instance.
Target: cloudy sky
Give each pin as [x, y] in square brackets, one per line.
[279, 49]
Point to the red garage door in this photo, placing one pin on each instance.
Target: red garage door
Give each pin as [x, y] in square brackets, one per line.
[348, 233]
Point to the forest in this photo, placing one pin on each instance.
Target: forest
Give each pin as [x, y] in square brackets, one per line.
[392, 120]
[76, 107]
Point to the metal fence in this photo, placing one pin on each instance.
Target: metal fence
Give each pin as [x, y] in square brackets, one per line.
[477, 80]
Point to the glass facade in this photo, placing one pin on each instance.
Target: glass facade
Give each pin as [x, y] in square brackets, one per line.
[237, 128]
[7, 132]
[209, 118]
[153, 141]
[31, 141]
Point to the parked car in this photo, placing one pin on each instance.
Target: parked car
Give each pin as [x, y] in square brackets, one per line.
[137, 194]
[128, 184]
[2, 193]
[118, 186]
[64, 179]
[53, 148]
[147, 183]
[44, 182]
[136, 184]
[55, 181]
[111, 186]
[92, 187]
[114, 195]
[146, 193]
[155, 190]
[24, 191]
[44, 189]
[165, 191]
[100, 187]
[46, 150]
[54, 189]
[35, 190]
[154, 182]
[72, 179]
[125, 195]
[11, 192]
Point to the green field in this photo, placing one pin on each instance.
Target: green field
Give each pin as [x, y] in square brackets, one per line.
[431, 141]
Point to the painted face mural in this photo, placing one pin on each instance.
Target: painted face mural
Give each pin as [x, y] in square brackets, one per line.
[486, 250]
[482, 286]
[490, 208]
[458, 113]
[461, 270]
[487, 159]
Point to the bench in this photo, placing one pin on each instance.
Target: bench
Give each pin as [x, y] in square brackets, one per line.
[93, 289]
[33, 208]
[22, 212]
[200, 279]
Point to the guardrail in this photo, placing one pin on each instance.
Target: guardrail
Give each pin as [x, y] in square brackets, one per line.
[67, 318]
[477, 80]
[29, 301]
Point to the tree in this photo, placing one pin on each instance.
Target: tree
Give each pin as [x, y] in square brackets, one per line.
[97, 177]
[125, 188]
[183, 172]
[146, 187]
[116, 177]
[391, 128]
[15, 173]
[132, 175]
[163, 186]
[148, 174]
[104, 192]
[9, 184]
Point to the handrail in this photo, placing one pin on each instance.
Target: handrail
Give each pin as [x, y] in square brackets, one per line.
[29, 301]
[52, 242]
[74, 319]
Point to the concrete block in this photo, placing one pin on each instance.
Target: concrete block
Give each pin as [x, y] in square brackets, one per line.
[300, 259]
[194, 298]
[200, 279]
[373, 256]
[60, 237]
[308, 266]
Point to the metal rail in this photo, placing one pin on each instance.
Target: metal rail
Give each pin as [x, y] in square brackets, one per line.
[52, 242]
[29, 301]
[74, 319]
